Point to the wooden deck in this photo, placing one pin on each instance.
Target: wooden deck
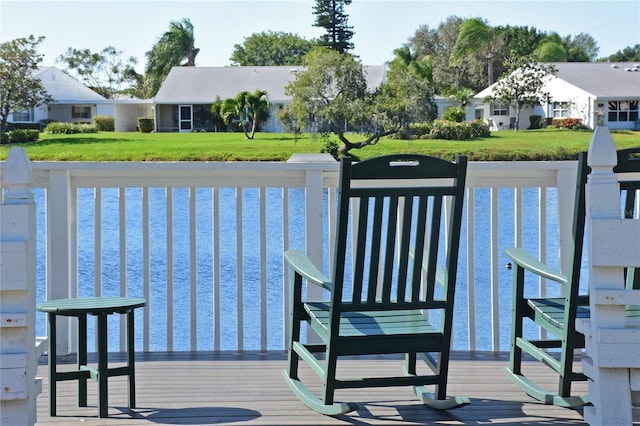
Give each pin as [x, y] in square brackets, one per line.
[207, 388]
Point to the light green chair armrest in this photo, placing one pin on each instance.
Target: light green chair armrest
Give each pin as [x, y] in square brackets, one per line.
[301, 264]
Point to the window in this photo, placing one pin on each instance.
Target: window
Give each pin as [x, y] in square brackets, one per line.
[24, 115]
[499, 109]
[561, 109]
[81, 112]
[623, 111]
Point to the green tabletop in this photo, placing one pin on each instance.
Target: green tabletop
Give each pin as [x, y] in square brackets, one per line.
[93, 305]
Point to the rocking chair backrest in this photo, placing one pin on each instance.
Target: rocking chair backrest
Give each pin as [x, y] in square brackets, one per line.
[402, 214]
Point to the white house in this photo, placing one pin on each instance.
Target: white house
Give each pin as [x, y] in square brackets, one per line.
[184, 100]
[592, 92]
[73, 102]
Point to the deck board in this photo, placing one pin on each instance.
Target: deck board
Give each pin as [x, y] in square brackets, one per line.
[207, 388]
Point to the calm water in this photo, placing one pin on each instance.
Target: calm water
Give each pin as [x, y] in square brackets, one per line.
[251, 272]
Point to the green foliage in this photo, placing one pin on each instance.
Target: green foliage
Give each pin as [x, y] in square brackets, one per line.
[271, 49]
[146, 124]
[20, 136]
[454, 114]
[104, 123]
[173, 47]
[246, 109]
[451, 130]
[628, 54]
[70, 128]
[551, 51]
[330, 15]
[535, 122]
[19, 60]
[103, 72]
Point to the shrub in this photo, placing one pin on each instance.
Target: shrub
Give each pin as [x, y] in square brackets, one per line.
[455, 114]
[145, 124]
[70, 128]
[479, 129]
[104, 123]
[535, 122]
[568, 123]
[16, 126]
[21, 136]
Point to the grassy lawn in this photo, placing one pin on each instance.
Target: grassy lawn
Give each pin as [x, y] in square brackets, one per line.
[506, 145]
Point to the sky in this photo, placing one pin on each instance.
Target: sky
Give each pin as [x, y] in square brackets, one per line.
[380, 26]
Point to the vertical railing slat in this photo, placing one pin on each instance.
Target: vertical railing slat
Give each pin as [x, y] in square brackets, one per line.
[146, 269]
[215, 241]
[122, 228]
[495, 281]
[169, 308]
[193, 268]
[239, 272]
[471, 269]
[264, 297]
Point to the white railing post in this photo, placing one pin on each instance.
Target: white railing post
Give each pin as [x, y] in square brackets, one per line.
[18, 352]
[60, 275]
[611, 358]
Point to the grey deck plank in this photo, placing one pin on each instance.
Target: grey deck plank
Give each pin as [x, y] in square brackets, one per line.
[206, 388]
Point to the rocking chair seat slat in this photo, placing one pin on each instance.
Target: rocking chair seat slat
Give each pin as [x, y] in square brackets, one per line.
[410, 322]
[553, 310]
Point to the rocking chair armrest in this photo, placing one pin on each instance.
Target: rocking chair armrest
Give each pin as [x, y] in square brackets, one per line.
[304, 267]
[525, 260]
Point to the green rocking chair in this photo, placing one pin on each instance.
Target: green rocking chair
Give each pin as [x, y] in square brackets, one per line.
[557, 315]
[393, 280]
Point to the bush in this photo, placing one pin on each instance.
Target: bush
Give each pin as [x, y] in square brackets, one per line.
[454, 114]
[568, 123]
[535, 122]
[70, 128]
[20, 136]
[418, 130]
[104, 123]
[145, 124]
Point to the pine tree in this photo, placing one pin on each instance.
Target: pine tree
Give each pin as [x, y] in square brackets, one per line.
[330, 15]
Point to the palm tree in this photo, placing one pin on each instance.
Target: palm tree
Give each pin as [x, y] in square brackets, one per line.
[476, 36]
[246, 108]
[176, 47]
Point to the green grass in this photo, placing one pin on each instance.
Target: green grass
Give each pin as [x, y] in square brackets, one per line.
[505, 145]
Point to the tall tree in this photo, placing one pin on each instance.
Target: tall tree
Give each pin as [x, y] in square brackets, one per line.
[175, 47]
[523, 85]
[438, 44]
[581, 48]
[330, 15]
[551, 49]
[104, 72]
[19, 60]
[271, 48]
[476, 36]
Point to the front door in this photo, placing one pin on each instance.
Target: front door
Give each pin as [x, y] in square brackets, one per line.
[185, 117]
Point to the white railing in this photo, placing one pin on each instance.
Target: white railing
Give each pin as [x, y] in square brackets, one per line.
[203, 242]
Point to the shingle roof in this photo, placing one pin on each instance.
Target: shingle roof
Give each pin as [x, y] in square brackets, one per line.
[600, 79]
[195, 85]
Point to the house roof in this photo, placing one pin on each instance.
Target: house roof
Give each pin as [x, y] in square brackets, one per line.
[194, 85]
[64, 88]
[600, 79]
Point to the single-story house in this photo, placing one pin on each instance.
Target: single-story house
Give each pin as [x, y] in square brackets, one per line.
[594, 92]
[73, 102]
[184, 100]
